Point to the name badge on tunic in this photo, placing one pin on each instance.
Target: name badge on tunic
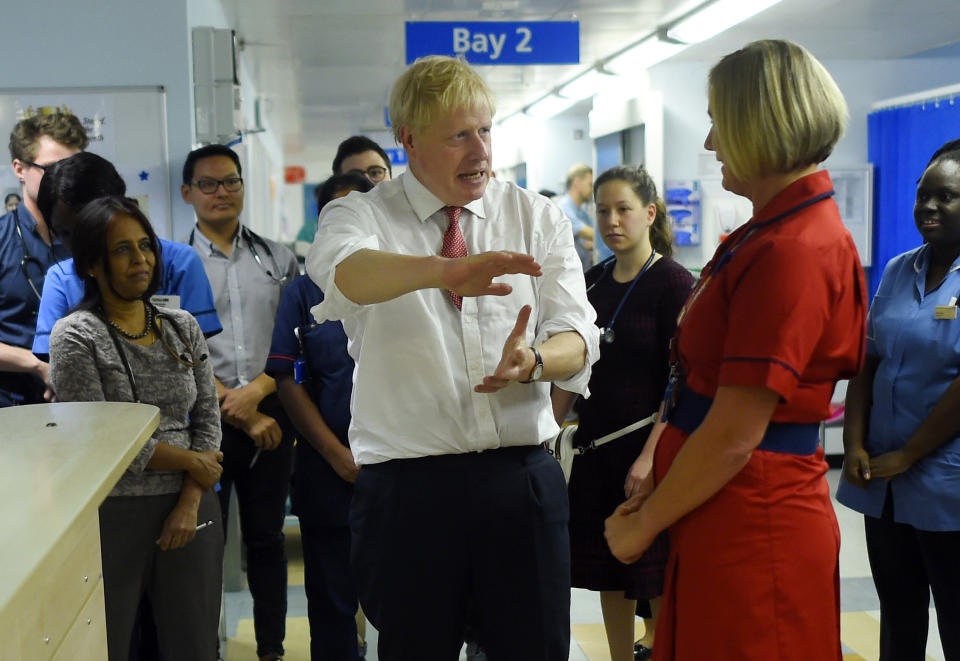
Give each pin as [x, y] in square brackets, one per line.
[172, 301]
[945, 312]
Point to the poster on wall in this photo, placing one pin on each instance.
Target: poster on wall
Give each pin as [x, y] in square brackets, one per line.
[95, 111]
[125, 125]
[682, 198]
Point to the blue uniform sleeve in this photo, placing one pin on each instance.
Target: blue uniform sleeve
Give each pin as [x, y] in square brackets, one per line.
[185, 277]
[291, 313]
[54, 304]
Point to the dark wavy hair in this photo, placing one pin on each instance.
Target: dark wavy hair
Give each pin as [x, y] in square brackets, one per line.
[338, 183]
[73, 182]
[642, 185]
[89, 245]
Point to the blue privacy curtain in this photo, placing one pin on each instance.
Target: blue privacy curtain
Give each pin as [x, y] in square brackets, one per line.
[901, 141]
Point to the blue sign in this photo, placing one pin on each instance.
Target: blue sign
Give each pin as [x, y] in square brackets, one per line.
[397, 156]
[490, 42]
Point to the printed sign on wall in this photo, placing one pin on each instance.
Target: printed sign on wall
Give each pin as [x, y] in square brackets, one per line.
[492, 43]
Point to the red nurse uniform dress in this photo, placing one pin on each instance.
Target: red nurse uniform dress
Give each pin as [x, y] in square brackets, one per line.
[753, 572]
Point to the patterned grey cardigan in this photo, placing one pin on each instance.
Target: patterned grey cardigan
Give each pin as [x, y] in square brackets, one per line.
[86, 367]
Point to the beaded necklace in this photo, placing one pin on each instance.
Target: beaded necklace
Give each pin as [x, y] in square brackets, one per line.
[147, 326]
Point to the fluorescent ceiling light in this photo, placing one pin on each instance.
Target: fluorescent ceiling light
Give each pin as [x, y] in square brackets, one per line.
[642, 56]
[715, 18]
[591, 83]
[549, 106]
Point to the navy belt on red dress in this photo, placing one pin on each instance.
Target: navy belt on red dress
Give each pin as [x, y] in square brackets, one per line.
[801, 438]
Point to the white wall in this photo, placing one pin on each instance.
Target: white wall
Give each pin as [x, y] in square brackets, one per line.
[549, 147]
[863, 82]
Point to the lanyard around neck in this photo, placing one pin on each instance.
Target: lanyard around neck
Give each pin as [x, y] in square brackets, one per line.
[606, 333]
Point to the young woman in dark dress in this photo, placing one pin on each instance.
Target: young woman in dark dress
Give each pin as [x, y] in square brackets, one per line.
[637, 295]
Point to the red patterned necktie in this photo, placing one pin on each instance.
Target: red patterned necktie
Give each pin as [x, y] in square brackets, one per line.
[453, 244]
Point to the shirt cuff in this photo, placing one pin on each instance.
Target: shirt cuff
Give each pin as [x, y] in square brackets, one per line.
[580, 381]
[335, 305]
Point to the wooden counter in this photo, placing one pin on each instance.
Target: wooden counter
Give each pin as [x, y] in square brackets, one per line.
[57, 464]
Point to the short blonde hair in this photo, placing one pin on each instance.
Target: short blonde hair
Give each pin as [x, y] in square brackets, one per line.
[775, 109]
[576, 172]
[433, 85]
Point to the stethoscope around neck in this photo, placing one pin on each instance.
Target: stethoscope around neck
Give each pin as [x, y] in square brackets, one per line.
[27, 257]
[607, 336]
[251, 239]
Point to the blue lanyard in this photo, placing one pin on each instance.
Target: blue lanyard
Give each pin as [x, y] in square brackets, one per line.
[606, 333]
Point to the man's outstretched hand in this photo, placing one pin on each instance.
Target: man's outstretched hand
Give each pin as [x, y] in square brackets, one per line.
[473, 275]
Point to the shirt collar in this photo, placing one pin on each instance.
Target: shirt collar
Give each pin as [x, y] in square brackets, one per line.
[425, 203]
[27, 222]
[200, 239]
[796, 193]
[922, 260]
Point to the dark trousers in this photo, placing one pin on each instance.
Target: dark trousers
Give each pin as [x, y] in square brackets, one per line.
[906, 564]
[261, 498]
[436, 538]
[183, 585]
[331, 596]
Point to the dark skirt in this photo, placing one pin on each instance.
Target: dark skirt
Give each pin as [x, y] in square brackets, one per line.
[595, 491]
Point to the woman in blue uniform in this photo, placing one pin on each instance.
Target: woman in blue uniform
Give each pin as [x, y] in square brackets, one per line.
[901, 435]
[316, 395]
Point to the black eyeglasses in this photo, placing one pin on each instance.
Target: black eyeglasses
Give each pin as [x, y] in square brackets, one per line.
[210, 186]
[37, 165]
[373, 173]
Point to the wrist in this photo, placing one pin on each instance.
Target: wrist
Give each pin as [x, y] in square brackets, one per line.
[536, 368]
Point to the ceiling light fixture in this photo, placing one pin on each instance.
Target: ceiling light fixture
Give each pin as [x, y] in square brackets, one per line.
[589, 84]
[716, 17]
[549, 106]
[642, 56]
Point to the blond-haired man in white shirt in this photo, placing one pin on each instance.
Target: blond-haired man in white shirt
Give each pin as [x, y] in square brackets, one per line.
[456, 503]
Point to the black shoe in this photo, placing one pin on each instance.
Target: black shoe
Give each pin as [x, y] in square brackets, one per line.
[641, 652]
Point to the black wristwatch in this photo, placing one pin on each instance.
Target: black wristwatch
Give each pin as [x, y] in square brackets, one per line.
[537, 367]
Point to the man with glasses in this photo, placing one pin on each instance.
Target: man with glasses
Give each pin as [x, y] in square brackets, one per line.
[247, 273]
[362, 155]
[27, 249]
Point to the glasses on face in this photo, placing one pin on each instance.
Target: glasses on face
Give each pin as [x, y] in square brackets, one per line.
[37, 165]
[210, 186]
[374, 173]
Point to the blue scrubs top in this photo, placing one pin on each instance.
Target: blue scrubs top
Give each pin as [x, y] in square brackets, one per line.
[18, 302]
[919, 359]
[319, 495]
[183, 276]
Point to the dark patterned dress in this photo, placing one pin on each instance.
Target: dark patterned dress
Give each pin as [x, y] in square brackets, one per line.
[627, 384]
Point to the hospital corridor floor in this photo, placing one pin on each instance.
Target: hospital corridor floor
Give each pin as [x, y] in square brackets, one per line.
[860, 614]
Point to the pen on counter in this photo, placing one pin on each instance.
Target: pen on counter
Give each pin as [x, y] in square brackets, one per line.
[205, 524]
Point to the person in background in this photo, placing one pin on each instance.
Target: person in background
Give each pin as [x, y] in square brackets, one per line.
[27, 249]
[361, 155]
[318, 404]
[11, 202]
[637, 295]
[901, 435]
[457, 505]
[64, 189]
[247, 274]
[777, 318]
[579, 186]
[160, 533]
[357, 154]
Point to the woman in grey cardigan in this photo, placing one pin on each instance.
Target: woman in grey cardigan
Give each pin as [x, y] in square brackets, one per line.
[160, 527]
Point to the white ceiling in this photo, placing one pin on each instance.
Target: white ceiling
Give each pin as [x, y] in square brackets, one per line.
[324, 67]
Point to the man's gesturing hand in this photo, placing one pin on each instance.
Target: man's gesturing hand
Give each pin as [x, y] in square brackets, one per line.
[473, 276]
[516, 361]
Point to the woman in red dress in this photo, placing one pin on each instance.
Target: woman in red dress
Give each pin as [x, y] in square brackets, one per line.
[776, 319]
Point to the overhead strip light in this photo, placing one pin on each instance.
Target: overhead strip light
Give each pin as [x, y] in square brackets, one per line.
[549, 106]
[589, 84]
[642, 56]
[715, 18]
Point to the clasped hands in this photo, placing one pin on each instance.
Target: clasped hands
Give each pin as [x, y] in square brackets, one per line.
[239, 408]
[859, 467]
[473, 276]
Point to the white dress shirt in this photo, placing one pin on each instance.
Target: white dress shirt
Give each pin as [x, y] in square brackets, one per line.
[418, 357]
